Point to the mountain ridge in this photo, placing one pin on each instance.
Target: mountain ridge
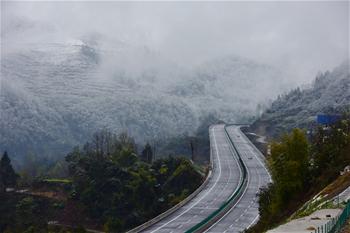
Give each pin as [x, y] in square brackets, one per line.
[54, 96]
[328, 94]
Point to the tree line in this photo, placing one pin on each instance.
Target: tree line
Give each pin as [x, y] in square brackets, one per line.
[301, 165]
[111, 187]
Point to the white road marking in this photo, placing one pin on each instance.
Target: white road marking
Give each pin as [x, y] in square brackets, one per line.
[216, 181]
[234, 204]
[259, 183]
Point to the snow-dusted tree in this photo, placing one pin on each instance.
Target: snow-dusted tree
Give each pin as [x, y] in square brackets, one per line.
[147, 153]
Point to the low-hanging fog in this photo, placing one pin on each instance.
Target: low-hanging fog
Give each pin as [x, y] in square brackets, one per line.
[153, 69]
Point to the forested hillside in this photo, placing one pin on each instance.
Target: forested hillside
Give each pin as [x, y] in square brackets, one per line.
[329, 94]
[304, 157]
[55, 95]
[109, 186]
[301, 168]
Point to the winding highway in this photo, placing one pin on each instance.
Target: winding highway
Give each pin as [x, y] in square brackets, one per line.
[246, 211]
[226, 177]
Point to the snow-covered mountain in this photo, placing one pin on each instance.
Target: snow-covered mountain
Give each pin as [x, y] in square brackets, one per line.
[232, 86]
[55, 95]
[329, 94]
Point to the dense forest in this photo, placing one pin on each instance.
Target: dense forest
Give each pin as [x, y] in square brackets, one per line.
[303, 156]
[60, 106]
[109, 186]
[302, 166]
[328, 94]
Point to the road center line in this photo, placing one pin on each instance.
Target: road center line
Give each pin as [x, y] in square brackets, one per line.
[216, 181]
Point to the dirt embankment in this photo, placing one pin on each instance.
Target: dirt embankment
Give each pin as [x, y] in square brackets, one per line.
[259, 140]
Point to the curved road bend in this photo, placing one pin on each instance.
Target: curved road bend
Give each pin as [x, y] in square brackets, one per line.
[245, 212]
[223, 182]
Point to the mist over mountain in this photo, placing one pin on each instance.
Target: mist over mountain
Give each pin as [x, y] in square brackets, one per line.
[154, 70]
[55, 95]
[328, 94]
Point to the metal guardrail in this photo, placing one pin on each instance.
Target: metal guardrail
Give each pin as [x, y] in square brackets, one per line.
[336, 224]
[172, 209]
[177, 206]
[226, 206]
[260, 155]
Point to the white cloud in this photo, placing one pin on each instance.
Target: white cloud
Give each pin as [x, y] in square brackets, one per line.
[300, 37]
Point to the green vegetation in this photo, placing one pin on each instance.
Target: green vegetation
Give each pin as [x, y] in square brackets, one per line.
[297, 109]
[108, 186]
[147, 153]
[289, 166]
[301, 168]
[120, 191]
[330, 152]
[324, 199]
[314, 205]
[65, 181]
[8, 177]
[20, 213]
[36, 168]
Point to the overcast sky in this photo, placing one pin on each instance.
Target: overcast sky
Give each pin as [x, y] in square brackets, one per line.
[299, 37]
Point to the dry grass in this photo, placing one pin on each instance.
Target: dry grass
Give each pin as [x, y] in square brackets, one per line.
[336, 187]
[49, 194]
[324, 198]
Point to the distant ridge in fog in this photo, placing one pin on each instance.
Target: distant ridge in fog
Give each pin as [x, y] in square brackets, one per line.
[55, 95]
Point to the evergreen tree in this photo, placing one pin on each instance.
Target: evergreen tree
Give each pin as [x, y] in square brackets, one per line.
[289, 165]
[7, 174]
[147, 153]
[2, 186]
